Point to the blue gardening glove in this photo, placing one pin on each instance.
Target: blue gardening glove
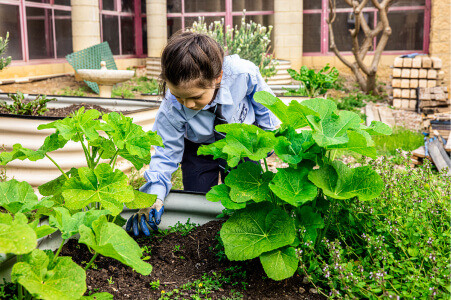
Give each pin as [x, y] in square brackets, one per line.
[145, 218]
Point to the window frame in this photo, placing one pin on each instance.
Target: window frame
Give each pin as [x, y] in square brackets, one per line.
[228, 14]
[324, 12]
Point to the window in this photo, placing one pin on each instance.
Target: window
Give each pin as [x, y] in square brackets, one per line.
[122, 26]
[409, 20]
[38, 29]
[182, 13]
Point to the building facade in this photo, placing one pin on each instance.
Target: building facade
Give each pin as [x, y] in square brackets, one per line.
[43, 32]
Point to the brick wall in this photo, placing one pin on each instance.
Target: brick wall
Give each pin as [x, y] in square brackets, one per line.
[440, 44]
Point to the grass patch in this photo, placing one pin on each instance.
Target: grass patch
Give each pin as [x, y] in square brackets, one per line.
[400, 139]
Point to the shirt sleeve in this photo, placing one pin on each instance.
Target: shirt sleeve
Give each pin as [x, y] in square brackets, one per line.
[264, 117]
[165, 161]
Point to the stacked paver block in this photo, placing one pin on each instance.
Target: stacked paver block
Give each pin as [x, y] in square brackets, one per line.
[409, 74]
[434, 100]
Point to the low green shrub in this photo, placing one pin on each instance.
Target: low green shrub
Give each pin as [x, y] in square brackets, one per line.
[394, 246]
[21, 106]
[313, 84]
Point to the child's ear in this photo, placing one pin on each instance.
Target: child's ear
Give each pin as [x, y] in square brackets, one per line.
[219, 78]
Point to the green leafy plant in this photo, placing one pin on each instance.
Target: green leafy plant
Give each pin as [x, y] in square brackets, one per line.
[155, 285]
[273, 213]
[85, 201]
[313, 84]
[79, 92]
[21, 106]
[250, 41]
[4, 62]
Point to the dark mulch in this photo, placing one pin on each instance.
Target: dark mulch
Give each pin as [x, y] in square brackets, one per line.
[175, 268]
[66, 111]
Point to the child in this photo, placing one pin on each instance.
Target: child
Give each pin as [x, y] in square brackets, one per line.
[204, 89]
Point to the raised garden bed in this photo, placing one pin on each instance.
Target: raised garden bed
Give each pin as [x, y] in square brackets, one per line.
[23, 129]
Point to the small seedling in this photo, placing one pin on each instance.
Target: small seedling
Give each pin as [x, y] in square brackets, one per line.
[110, 280]
[155, 285]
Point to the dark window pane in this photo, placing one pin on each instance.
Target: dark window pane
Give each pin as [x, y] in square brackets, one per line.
[407, 30]
[108, 4]
[128, 35]
[128, 5]
[144, 34]
[344, 22]
[63, 31]
[111, 32]
[62, 2]
[252, 5]
[204, 5]
[9, 22]
[143, 7]
[313, 4]
[174, 6]
[40, 33]
[408, 2]
[174, 25]
[312, 33]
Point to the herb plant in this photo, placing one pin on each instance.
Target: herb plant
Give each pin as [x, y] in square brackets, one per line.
[85, 201]
[313, 84]
[4, 62]
[274, 213]
[21, 106]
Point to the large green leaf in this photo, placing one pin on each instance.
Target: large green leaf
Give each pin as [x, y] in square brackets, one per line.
[68, 224]
[280, 264]
[214, 149]
[243, 140]
[222, 193]
[295, 114]
[256, 229]
[16, 236]
[17, 196]
[322, 107]
[378, 128]
[341, 182]
[59, 280]
[331, 130]
[247, 182]
[51, 143]
[141, 200]
[311, 221]
[113, 241]
[110, 189]
[82, 122]
[291, 146]
[293, 186]
[357, 143]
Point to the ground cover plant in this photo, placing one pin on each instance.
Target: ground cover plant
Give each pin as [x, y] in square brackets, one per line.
[313, 84]
[394, 246]
[272, 214]
[85, 201]
[23, 106]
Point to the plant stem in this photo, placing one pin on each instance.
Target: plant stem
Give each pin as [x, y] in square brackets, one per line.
[59, 168]
[91, 261]
[113, 159]
[266, 164]
[88, 158]
[59, 250]
[20, 291]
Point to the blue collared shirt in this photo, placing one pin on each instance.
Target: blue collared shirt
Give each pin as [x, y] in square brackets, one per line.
[175, 122]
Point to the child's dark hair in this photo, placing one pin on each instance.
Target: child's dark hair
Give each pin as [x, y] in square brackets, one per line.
[189, 56]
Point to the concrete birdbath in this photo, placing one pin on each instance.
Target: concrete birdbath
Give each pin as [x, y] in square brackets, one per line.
[105, 78]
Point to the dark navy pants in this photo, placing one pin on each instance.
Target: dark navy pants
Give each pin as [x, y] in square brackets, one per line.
[200, 173]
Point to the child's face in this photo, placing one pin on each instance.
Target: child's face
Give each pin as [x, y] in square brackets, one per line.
[190, 95]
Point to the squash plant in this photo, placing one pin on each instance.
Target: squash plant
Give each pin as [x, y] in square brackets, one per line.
[85, 201]
[273, 213]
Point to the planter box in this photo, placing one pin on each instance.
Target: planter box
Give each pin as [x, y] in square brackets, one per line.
[23, 129]
[179, 207]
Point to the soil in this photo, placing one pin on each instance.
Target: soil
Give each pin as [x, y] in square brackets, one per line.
[66, 111]
[173, 269]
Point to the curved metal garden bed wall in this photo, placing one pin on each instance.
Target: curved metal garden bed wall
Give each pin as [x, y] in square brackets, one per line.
[23, 130]
[179, 206]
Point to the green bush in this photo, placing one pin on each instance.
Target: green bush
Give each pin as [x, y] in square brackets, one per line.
[395, 246]
[250, 41]
[313, 83]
